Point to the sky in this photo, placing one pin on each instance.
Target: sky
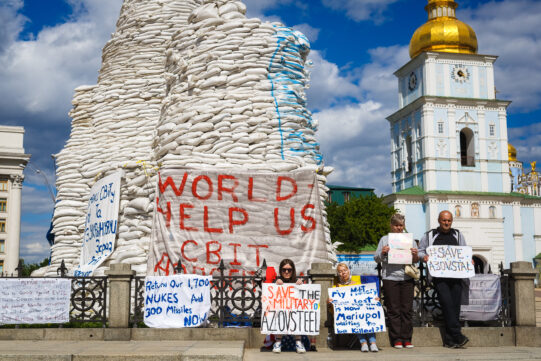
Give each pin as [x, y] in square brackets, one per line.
[48, 48]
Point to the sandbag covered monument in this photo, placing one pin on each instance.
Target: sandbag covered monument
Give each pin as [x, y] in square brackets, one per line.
[203, 111]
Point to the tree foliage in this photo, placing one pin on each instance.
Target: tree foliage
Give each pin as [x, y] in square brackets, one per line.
[359, 223]
[27, 269]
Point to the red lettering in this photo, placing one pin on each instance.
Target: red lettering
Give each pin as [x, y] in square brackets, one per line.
[231, 190]
[194, 187]
[279, 181]
[206, 222]
[308, 218]
[232, 271]
[202, 269]
[215, 252]
[237, 222]
[184, 215]
[167, 213]
[235, 261]
[159, 266]
[257, 251]
[169, 182]
[291, 224]
[184, 254]
[251, 192]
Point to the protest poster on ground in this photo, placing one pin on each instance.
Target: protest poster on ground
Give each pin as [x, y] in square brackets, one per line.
[177, 301]
[203, 217]
[450, 261]
[359, 264]
[290, 309]
[356, 309]
[34, 300]
[101, 224]
[400, 245]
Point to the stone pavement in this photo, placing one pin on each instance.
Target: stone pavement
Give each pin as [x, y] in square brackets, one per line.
[233, 351]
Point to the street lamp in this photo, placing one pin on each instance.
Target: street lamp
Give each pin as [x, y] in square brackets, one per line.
[44, 178]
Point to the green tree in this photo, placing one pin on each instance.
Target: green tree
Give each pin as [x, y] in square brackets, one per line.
[359, 223]
[27, 269]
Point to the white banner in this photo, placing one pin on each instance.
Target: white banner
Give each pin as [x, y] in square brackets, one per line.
[101, 225]
[356, 309]
[203, 217]
[400, 245]
[177, 301]
[34, 300]
[290, 309]
[450, 261]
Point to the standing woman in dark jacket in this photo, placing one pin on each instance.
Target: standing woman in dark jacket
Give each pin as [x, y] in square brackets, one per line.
[288, 274]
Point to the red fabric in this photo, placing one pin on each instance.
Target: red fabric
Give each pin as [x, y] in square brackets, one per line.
[270, 275]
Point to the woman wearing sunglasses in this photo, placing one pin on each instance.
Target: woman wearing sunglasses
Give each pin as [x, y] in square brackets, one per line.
[287, 275]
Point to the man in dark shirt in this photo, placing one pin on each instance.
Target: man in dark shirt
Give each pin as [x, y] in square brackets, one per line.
[449, 289]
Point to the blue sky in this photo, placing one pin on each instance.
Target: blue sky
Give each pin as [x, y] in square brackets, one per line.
[48, 48]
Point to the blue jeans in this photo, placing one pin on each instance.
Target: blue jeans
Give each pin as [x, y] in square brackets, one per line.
[363, 336]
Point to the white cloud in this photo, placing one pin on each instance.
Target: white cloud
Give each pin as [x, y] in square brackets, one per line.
[310, 32]
[11, 23]
[256, 8]
[510, 29]
[36, 200]
[361, 10]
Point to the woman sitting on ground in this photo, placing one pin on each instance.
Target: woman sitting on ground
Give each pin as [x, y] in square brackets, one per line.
[287, 274]
[344, 279]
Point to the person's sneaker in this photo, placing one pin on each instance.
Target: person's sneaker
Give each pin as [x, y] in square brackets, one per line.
[364, 347]
[464, 342]
[374, 347]
[398, 344]
[277, 347]
[408, 344]
[300, 347]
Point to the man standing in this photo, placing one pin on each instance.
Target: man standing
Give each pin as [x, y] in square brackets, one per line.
[449, 289]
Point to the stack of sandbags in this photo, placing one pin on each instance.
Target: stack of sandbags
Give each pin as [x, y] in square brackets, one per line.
[183, 82]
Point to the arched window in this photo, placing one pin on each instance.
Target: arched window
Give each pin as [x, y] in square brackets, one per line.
[475, 210]
[458, 211]
[492, 212]
[467, 148]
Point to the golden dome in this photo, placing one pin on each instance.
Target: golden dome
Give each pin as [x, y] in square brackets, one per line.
[512, 152]
[443, 32]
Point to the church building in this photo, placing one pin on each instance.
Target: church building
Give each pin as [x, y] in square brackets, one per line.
[449, 145]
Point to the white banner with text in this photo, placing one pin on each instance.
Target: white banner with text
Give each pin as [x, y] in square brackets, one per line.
[450, 261]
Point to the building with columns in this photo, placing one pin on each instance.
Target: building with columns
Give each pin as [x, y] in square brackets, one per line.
[449, 146]
[12, 163]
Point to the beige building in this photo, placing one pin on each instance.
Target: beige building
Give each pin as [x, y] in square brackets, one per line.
[12, 163]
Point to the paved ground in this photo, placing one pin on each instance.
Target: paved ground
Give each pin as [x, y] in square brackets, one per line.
[233, 351]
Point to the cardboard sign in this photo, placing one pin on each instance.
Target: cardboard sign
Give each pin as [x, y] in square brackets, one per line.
[400, 245]
[356, 309]
[101, 225]
[177, 301]
[450, 261]
[290, 309]
[34, 300]
[205, 216]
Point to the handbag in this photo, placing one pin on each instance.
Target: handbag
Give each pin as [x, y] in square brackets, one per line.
[412, 271]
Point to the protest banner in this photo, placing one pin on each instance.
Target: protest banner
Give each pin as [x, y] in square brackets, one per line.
[400, 245]
[177, 301]
[356, 309]
[290, 309]
[450, 261]
[203, 217]
[34, 300]
[359, 264]
[101, 224]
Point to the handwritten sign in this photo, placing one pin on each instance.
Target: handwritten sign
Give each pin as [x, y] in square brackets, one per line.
[290, 309]
[34, 300]
[450, 261]
[176, 301]
[203, 217]
[400, 248]
[356, 309]
[101, 225]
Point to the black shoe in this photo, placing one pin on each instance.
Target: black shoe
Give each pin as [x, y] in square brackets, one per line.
[452, 345]
[465, 340]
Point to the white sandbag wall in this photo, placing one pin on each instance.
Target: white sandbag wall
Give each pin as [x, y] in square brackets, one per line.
[183, 82]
